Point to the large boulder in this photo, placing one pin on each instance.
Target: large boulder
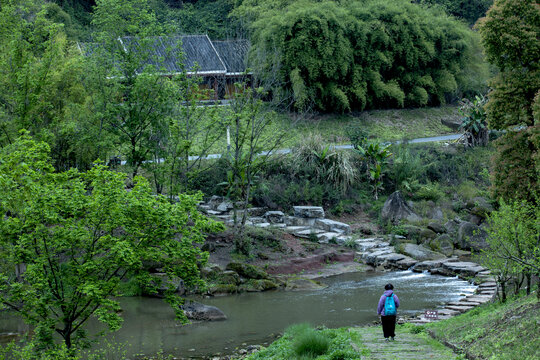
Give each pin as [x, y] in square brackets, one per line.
[452, 226]
[396, 209]
[161, 283]
[437, 227]
[471, 237]
[200, 312]
[421, 253]
[436, 213]
[443, 244]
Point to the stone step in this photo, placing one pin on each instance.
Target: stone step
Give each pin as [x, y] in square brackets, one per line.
[325, 237]
[459, 308]
[308, 233]
[482, 299]
[293, 229]
[332, 225]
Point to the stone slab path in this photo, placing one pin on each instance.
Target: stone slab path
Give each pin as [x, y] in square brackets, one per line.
[406, 345]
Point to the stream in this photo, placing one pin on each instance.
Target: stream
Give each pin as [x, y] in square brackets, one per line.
[257, 318]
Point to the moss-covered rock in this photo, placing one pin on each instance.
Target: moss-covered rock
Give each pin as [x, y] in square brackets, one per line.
[443, 244]
[217, 289]
[304, 284]
[254, 285]
[247, 271]
[229, 277]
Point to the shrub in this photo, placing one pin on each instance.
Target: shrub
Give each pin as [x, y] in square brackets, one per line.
[429, 191]
[324, 163]
[310, 342]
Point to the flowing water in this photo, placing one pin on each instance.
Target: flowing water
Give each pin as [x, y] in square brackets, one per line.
[256, 318]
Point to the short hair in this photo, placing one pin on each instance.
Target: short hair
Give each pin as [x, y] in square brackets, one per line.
[388, 287]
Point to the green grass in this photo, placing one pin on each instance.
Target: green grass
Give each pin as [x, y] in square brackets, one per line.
[303, 342]
[495, 331]
[383, 125]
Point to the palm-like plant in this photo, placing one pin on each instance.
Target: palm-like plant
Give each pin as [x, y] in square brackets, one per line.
[375, 156]
[473, 122]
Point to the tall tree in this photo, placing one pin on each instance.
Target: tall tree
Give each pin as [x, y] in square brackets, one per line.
[133, 99]
[510, 34]
[41, 84]
[74, 237]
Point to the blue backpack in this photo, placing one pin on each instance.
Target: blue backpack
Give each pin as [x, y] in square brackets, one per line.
[390, 306]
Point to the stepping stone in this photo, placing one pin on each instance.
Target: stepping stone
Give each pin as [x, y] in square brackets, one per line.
[298, 221]
[392, 257]
[364, 246]
[428, 265]
[459, 308]
[331, 225]
[406, 263]
[308, 232]
[327, 236]
[482, 299]
[262, 225]
[367, 240]
[313, 212]
[463, 268]
[278, 226]
[293, 229]
[257, 220]
[274, 217]
[448, 312]
[463, 303]
[213, 212]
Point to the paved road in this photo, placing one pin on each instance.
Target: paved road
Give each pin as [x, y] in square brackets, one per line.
[286, 151]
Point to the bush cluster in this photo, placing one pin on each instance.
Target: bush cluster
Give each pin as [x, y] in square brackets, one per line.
[353, 55]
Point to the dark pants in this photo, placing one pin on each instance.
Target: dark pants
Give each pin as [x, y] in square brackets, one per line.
[389, 325]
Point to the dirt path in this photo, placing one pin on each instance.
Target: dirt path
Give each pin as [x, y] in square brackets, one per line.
[406, 345]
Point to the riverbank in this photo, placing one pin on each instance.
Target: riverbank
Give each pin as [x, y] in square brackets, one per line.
[490, 331]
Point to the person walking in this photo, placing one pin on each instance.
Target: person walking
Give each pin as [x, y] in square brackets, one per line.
[387, 309]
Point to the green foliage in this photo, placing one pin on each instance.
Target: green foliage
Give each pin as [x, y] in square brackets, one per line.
[324, 163]
[515, 173]
[469, 10]
[405, 169]
[361, 54]
[514, 241]
[72, 237]
[375, 156]
[474, 121]
[510, 34]
[429, 191]
[494, 331]
[41, 84]
[321, 344]
[310, 342]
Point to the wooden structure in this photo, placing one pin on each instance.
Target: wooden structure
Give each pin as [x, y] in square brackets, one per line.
[219, 64]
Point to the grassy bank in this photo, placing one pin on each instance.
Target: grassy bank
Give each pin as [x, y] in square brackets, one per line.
[495, 331]
[303, 342]
[383, 125]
